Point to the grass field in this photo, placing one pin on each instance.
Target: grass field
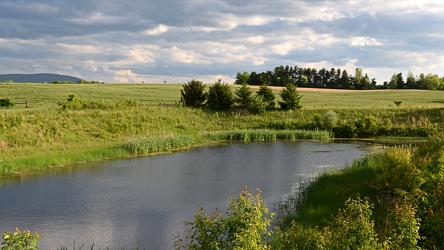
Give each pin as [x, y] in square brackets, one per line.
[45, 135]
[43, 96]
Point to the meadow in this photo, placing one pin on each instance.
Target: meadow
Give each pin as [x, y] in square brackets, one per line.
[47, 135]
[72, 123]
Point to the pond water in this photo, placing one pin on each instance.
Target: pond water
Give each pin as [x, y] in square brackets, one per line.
[144, 201]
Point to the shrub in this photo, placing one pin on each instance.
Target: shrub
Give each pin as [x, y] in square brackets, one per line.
[397, 171]
[7, 103]
[353, 227]
[20, 240]
[193, 94]
[290, 97]
[402, 225]
[243, 227]
[219, 96]
[330, 120]
[244, 96]
[266, 97]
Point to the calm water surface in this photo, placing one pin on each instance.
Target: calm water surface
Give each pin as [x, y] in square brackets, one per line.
[144, 201]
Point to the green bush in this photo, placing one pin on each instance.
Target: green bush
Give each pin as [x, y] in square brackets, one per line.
[290, 97]
[7, 103]
[353, 228]
[20, 240]
[219, 96]
[244, 225]
[397, 171]
[265, 97]
[193, 94]
[75, 103]
[330, 119]
[244, 96]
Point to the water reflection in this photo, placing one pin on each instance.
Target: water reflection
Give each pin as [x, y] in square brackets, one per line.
[144, 201]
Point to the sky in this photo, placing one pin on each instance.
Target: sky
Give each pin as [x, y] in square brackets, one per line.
[176, 41]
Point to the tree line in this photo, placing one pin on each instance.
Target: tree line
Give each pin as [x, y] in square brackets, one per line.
[336, 79]
[220, 97]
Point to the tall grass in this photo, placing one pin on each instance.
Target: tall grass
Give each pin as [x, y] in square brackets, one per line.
[269, 135]
[321, 199]
[46, 135]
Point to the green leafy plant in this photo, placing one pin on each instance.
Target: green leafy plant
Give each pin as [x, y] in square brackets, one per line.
[7, 103]
[20, 240]
[330, 119]
[193, 94]
[244, 96]
[266, 96]
[244, 225]
[219, 96]
[290, 97]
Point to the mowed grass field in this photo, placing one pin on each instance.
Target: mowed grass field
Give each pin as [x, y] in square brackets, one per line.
[41, 96]
[45, 135]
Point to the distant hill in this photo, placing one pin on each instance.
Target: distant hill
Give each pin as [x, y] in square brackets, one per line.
[37, 78]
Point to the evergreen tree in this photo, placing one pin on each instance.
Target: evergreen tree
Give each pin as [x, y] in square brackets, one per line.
[244, 96]
[219, 96]
[193, 94]
[290, 97]
[266, 97]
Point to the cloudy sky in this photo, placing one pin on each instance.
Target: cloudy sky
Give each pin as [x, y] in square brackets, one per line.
[179, 40]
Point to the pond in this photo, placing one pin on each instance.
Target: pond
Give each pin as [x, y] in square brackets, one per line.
[144, 201]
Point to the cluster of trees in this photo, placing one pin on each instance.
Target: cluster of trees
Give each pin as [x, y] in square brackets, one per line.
[220, 97]
[308, 77]
[336, 79]
[81, 81]
[429, 81]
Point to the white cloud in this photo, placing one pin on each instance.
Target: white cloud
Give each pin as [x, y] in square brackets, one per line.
[365, 41]
[160, 29]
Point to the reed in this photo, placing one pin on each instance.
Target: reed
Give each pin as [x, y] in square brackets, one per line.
[321, 199]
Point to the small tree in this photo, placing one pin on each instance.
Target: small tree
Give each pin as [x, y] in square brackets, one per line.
[193, 94]
[7, 103]
[242, 78]
[244, 95]
[244, 226]
[266, 96]
[219, 96]
[330, 120]
[290, 97]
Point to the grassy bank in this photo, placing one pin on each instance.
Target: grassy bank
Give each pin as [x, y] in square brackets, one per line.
[122, 120]
[399, 192]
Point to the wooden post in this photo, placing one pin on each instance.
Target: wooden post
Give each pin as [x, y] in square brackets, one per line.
[27, 104]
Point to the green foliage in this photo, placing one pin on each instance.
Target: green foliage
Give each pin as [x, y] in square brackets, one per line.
[397, 171]
[244, 225]
[402, 225]
[62, 82]
[242, 78]
[75, 103]
[329, 120]
[353, 227]
[193, 94]
[220, 96]
[298, 237]
[244, 96]
[157, 144]
[397, 103]
[265, 97]
[7, 103]
[20, 240]
[269, 135]
[290, 97]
